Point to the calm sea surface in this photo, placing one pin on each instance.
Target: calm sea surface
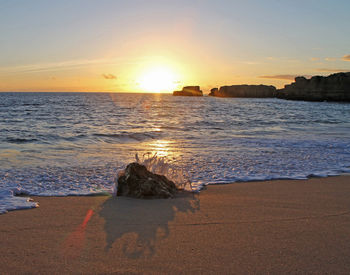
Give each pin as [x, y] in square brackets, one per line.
[74, 143]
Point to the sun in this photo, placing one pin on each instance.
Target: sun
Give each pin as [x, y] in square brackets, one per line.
[158, 79]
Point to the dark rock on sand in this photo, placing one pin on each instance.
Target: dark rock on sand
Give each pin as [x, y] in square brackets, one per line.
[335, 87]
[138, 182]
[189, 91]
[251, 91]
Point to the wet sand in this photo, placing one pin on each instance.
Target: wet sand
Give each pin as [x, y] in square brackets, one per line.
[274, 227]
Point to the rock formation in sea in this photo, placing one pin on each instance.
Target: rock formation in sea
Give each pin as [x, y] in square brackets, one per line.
[213, 91]
[335, 87]
[251, 91]
[136, 181]
[189, 91]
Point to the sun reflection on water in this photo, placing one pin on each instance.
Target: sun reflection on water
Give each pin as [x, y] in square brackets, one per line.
[161, 147]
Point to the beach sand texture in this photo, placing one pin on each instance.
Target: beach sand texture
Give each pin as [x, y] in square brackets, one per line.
[289, 226]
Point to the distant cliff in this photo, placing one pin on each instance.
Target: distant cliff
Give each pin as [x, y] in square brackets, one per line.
[257, 91]
[189, 91]
[335, 87]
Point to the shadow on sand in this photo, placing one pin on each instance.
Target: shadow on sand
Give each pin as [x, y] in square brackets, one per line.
[136, 225]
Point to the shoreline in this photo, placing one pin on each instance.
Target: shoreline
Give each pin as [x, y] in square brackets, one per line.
[275, 226]
[200, 189]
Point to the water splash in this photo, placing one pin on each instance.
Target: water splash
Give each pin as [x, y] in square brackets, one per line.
[161, 166]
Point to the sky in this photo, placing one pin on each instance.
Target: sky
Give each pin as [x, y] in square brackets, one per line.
[145, 46]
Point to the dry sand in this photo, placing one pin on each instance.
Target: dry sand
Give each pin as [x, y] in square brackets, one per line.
[256, 227]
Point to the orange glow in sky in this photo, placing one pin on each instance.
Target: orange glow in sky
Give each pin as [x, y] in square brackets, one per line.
[160, 46]
[158, 80]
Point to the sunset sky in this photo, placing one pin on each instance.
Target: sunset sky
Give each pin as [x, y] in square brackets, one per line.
[144, 46]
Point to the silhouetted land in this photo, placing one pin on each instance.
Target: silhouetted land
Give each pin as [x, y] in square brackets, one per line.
[335, 87]
[189, 91]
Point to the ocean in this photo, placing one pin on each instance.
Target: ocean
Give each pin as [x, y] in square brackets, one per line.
[60, 144]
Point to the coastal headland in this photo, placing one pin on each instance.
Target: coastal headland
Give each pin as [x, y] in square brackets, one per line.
[189, 91]
[278, 227]
[335, 87]
[250, 91]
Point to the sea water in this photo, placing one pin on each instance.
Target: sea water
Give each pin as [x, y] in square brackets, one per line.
[59, 144]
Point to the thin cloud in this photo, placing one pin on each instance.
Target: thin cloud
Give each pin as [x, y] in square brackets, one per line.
[109, 76]
[331, 59]
[271, 58]
[68, 65]
[313, 59]
[330, 70]
[280, 76]
[54, 66]
[346, 57]
[250, 62]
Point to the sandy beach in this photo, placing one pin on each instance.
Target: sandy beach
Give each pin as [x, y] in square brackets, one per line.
[289, 226]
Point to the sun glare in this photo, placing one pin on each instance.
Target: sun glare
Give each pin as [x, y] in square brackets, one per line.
[158, 80]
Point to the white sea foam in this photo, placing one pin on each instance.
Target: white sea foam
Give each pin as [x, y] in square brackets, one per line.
[86, 138]
[9, 200]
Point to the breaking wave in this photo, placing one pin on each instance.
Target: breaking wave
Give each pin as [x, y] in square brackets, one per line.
[59, 144]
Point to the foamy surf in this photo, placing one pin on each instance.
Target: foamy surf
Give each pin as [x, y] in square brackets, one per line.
[19, 198]
[11, 200]
[204, 140]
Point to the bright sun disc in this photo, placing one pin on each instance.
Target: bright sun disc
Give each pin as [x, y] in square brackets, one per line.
[158, 80]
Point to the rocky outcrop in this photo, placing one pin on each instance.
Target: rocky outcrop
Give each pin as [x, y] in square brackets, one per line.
[136, 181]
[213, 91]
[189, 91]
[252, 91]
[335, 87]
